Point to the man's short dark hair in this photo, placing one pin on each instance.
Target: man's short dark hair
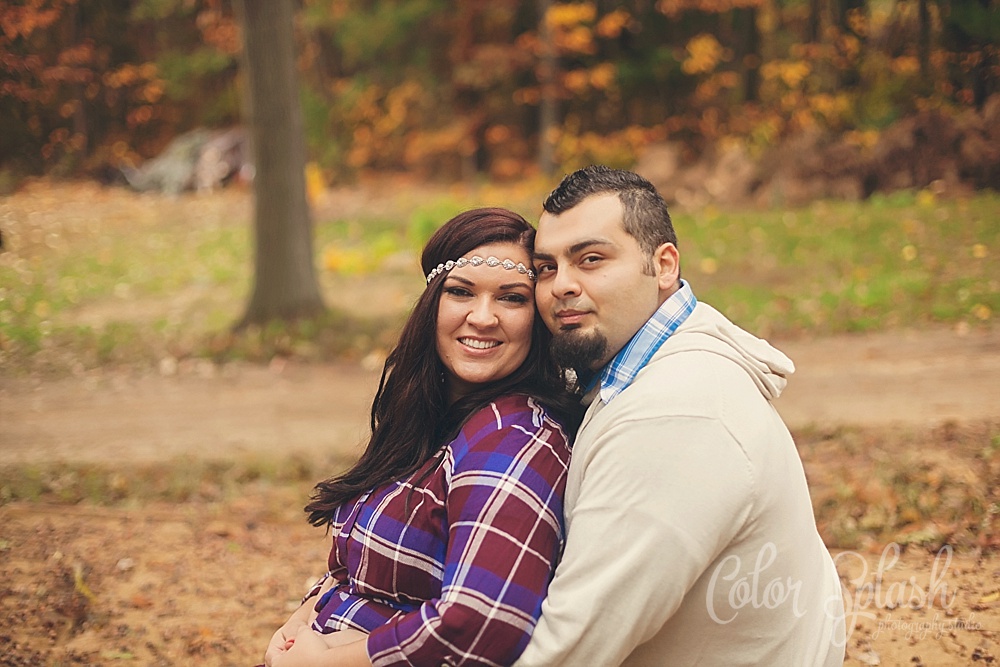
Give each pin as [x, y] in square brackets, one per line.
[646, 217]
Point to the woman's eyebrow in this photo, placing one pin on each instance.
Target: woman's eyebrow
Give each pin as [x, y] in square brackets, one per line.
[517, 284]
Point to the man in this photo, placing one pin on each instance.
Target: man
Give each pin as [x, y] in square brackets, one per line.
[691, 537]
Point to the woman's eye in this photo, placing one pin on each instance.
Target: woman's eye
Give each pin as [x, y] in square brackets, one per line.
[514, 298]
[457, 291]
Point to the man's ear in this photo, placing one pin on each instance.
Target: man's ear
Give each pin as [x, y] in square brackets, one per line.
[667, 262]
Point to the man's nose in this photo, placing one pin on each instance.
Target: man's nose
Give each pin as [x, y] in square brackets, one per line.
[564, 283]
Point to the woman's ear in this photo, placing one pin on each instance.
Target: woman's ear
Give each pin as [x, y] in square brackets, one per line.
[667, 263]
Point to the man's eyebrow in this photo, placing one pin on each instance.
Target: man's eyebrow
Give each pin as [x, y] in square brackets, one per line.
[575, 248]
[583, 245]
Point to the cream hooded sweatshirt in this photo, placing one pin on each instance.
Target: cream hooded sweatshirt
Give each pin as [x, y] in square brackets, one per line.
[691, 536]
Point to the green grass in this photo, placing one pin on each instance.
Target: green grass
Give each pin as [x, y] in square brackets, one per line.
[899, 261]
[91, 276]
[178, 480]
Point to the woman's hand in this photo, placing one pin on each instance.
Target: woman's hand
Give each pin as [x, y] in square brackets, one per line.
[311, 649]
[282, 640]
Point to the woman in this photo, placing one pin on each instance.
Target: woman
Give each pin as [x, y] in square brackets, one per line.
[447, 530]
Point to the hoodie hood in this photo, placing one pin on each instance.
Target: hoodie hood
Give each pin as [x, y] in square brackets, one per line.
[708, 330]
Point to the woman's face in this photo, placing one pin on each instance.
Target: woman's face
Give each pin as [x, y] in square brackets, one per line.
[484, 320]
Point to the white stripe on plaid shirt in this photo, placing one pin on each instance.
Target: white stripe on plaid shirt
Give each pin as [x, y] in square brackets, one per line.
[619, 373]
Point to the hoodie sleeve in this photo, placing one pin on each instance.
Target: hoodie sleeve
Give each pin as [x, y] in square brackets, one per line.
[651, 517]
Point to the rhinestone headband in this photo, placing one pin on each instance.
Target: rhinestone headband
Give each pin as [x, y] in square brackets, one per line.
[476, 260]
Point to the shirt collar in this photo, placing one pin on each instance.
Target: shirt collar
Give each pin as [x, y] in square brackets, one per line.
[619, 373]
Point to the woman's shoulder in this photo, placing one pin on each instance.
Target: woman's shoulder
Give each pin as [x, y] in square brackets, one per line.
[512, 418]
[509, 410]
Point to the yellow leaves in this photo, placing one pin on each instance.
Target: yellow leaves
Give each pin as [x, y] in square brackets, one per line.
[979, 251]
[831, 107]
[926, 199]
[982, 312]
[569, 25]
[347, 261]
[794, 73]
[991, 597]
[563, 16]
[315, 183]
[703, 54]
[80, 585]
[909, 252]
[672, 8]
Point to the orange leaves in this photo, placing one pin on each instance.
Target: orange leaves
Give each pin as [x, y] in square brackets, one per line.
[611, 25]
[129, 75]
[21, 21]
[219, 30]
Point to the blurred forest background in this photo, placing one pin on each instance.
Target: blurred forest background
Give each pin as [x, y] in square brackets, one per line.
[849, 96]
[833, 170]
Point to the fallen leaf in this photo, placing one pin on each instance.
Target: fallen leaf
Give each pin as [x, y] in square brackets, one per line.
[992, 597]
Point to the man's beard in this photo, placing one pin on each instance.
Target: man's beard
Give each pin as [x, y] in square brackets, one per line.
[572, 348]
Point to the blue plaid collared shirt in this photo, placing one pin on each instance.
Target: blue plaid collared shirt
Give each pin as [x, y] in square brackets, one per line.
[619, 373]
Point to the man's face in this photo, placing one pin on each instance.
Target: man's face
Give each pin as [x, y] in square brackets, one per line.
[592, 292]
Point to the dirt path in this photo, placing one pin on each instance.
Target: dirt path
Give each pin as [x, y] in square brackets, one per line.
[911, 378]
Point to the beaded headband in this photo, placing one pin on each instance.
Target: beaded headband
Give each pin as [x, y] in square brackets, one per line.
[476, 260]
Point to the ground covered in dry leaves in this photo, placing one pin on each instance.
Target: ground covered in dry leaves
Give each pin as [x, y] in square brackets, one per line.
[206, 580]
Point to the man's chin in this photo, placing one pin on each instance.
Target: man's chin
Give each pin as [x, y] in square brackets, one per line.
[577, 349]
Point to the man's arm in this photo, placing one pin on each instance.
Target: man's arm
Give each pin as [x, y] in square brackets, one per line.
[659, 500]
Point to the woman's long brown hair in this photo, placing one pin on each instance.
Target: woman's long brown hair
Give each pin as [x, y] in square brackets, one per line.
[411, 418]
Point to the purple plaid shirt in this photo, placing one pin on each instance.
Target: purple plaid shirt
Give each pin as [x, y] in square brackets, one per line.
[453, 570]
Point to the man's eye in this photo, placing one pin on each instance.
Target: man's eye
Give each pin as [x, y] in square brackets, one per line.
[544, 268]
[591, 259]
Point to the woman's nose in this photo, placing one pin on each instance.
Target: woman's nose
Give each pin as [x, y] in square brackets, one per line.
[483, 314]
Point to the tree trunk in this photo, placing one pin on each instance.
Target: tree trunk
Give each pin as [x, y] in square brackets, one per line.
[814, 24]
[285, 285]
[747, 46]
[847, 11]
[924, 39]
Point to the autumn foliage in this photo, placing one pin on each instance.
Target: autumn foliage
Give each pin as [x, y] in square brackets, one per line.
[453, 89]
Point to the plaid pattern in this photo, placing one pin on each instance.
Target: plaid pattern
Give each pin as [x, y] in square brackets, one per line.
[453, 570]
[622, 369]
